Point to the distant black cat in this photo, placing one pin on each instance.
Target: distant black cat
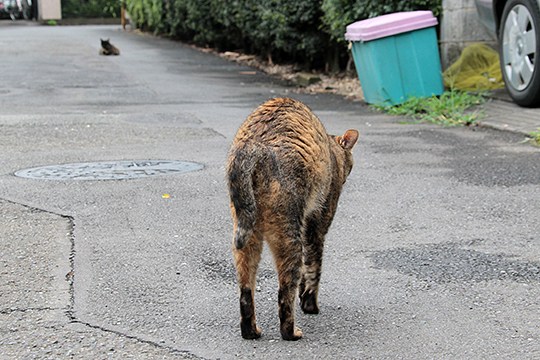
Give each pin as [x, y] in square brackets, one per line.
[108, 49]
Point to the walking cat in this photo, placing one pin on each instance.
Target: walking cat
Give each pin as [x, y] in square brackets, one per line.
[107, 48]
[285, 175]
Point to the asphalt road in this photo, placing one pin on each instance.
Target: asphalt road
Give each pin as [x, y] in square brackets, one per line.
[434, 251]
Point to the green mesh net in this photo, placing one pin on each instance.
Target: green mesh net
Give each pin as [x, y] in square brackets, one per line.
[476, 69]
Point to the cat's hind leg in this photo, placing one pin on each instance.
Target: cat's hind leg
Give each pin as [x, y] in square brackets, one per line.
[287, 253]
[247, 261]
[311, 270]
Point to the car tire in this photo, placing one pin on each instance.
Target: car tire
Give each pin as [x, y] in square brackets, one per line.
[519, 49]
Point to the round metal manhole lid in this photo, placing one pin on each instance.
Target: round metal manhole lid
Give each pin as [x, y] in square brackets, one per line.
[109, 170]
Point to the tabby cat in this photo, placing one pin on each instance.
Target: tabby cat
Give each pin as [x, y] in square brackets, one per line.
[285, 175]
[107, 48]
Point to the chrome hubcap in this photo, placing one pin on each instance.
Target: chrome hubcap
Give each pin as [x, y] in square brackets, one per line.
[519, 47]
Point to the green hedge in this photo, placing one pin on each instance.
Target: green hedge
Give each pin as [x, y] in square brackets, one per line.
[90, 8]
[308, 32]
[340, 13]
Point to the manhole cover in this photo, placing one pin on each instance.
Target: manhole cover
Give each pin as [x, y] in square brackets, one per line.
[109, 170]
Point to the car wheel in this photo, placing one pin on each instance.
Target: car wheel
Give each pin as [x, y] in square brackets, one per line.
[519, 37]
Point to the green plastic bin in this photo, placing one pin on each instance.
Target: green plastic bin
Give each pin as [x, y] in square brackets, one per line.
[397, 57]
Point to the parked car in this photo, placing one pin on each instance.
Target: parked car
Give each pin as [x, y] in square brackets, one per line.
[516, 24]
[3, 11]
[16, 9]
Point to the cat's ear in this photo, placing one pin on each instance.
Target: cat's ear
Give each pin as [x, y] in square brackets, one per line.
[348, 140]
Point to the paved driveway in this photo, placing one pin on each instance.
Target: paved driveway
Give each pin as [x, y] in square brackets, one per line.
[434, 252]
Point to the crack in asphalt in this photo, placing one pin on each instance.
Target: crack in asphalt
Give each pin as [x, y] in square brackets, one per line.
[70, 277]
[138, 338]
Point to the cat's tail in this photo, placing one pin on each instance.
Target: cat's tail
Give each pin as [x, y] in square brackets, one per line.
[242, 161]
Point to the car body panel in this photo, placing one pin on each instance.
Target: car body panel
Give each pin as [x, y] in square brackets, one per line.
[484, 9]
[490, 13]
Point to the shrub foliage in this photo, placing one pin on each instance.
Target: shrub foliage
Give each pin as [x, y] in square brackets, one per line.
[308, 32]
[90, 8]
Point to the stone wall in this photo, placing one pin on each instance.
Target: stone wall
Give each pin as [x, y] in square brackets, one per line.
[460, 26]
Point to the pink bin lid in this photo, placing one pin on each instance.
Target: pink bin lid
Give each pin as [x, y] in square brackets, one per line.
[390, 24]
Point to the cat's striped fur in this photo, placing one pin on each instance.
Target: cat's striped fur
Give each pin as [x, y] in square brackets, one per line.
[285, 175]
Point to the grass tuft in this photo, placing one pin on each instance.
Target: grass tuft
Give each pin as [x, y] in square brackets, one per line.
[452, 108]
[535, 137]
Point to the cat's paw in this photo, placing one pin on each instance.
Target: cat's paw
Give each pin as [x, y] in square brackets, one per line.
[250, 333]
[308, 303]
[295, 335]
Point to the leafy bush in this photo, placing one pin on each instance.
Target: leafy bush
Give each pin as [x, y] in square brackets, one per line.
[309, 32]
[340, 13]
[146, 14]
[90, 8]
[285, 30]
